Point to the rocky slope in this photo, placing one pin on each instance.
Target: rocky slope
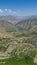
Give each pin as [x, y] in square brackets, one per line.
[18, 40]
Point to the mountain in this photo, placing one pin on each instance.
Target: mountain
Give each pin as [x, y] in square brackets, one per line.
[18, 41]
[29, 24]
[12, 19]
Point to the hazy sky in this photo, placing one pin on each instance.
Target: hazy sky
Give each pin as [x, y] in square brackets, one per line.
[18, 7]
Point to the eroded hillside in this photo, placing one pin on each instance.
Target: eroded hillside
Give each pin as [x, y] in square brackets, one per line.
[18, 41]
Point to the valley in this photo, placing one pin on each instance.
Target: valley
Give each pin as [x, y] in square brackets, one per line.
[18, 42]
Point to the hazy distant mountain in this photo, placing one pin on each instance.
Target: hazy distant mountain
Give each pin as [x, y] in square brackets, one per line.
[19, 23]
[29, 24]
[12, 19]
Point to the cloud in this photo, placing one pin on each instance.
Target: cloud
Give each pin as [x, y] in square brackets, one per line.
[1, 11]
[9, 12]
[5, 9]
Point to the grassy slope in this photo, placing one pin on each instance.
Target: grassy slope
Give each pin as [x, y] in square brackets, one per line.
[17, 37]
[18, 62]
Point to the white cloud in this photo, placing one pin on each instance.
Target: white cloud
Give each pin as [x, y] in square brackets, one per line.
[14, 12]
[5, 9]
[19, 10]
[9, 12]
[1, 11]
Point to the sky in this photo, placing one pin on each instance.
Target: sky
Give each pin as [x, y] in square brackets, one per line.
[18, 7]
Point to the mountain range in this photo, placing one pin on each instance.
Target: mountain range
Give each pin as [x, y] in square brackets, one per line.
[18, 38]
